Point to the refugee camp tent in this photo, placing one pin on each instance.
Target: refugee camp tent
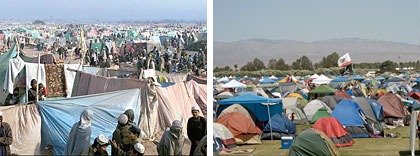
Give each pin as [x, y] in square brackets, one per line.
[281, 126]
[331, 100]
[323, 90]
[343, 94]
[58, 116]
[392, 106]
[255, 104]
[313, 142]
[233, 84]
[321, 113]
[220, 131]
[352, 116]
[312, 107]
[335, 131]
[239, 108]
[4, 64]
[244, 132]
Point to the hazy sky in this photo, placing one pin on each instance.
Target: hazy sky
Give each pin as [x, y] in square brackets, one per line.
[309, 20]
[105, 9]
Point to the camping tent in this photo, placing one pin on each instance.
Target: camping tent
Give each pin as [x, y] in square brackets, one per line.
[220, 131]
[312, 107]
[352, 116]
[323, 90]
[313, 142]
[255, 104]
[343, 94]
[331, 100]
[58, 116]
[392, 106]
[321, 80]
[240, 109]
[244, 131]
[333, 129]
[224, 95]
[321, 113]
[282, 126]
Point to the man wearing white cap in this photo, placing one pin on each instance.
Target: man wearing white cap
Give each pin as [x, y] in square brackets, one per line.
[6, 137]
[138, 149]
[196, 128]
[98, 147]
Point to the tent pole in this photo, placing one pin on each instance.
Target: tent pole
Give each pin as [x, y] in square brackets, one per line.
[269, 120]
[37, 77]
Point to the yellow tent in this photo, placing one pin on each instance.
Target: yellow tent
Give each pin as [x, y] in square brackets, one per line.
[295, 95]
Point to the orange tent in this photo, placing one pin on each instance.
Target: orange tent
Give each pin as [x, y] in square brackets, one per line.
[238, 124]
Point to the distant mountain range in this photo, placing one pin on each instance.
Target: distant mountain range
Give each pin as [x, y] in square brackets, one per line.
[361, 50]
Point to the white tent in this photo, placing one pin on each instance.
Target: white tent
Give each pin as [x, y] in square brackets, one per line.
[290, 102]
[321, 80]
[273, 77]
[315, 76]
[312, 107]
[233, 84]
[223, 79]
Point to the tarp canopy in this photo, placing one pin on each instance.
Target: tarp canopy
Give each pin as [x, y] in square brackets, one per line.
[255, 104]
[233, 84]
[58, 116]
[343, 79]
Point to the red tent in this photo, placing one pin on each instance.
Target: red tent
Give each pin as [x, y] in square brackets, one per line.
[343, 94]
[238, 124]
[392, 106]
[333, 129]
[414, 95]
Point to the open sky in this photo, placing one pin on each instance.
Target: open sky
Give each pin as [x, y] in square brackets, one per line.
[308, 20]
[104, 10]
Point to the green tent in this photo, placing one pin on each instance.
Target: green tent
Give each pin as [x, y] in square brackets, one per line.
[313, 142]
[4, 64]
[321, 113]
[323, 90]
[96, 45]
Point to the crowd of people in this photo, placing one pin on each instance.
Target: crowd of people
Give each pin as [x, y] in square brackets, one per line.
[126, 138]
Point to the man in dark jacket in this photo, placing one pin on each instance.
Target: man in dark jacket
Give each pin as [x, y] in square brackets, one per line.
[6, 137]
[196, 128]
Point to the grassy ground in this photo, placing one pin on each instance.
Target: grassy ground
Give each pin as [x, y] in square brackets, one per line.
[362, 146]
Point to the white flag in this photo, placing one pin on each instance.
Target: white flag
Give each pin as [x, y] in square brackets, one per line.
[344, 60]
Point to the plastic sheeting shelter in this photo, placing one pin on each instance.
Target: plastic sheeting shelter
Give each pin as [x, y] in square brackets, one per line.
[255, 104]
[58, 116]
[4, 64]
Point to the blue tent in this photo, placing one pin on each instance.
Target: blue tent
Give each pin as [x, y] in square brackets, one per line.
[58, 116]
[377, 109]
[265, 81]
[343, 79]
[395, 79]
[281, 124]
[166, 84]
[417, 80]
[255, 104]
[349, 113]
[357, 77]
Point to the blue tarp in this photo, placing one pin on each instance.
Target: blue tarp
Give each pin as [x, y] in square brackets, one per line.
[265, 81]
[417, 80]
[166, 84]
[254, 104]
[281, 124]
[343, 79]
[348, 113]
[58, 116]
[357, 77]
